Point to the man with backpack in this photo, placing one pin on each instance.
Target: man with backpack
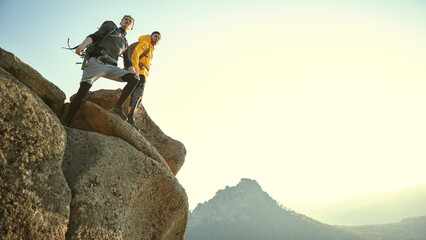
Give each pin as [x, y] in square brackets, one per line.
[141, 57]
[101, 56]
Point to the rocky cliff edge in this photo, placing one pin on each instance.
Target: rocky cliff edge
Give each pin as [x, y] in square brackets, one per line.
[99, 179]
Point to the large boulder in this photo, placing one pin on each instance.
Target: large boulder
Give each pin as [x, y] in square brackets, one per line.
[171, 150]
[106, 99]
[119, 193]
[47, 91]
[35, 198]
[93, 118]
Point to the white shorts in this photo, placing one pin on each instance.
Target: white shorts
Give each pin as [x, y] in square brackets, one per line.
[96, 69]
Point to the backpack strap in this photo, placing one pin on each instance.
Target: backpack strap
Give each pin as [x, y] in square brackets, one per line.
[145, 53]
[141, 64]
[107, 35]
[89, 49]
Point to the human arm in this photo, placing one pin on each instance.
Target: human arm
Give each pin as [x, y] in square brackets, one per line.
[128, 64]
[80, 49]
[106, 27]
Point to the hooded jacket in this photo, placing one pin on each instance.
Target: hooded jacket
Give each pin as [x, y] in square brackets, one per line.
[144, 64]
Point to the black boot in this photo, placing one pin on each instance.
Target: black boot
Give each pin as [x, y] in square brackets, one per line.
[131, 121]
[117, 110]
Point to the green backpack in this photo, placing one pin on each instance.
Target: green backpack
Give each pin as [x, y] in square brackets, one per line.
[90, 48]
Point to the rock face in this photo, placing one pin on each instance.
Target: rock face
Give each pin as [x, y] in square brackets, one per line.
[34, 202]
[119, 193]
[171, 150]
[93, 118]
[103, 181]
[47, 91]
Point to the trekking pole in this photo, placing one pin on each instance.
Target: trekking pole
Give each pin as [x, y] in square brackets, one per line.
[72, 49]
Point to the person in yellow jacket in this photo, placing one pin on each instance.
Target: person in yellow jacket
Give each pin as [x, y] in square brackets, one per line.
[141, 59]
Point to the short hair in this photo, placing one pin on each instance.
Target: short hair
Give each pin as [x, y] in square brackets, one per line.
[156, 32]
[129, 16]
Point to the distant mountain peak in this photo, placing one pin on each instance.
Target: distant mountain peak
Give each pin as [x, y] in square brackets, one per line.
[245, 211]
[246, 193]
[248, 183]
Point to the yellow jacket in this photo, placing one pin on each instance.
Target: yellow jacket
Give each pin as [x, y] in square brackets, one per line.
[144, 64]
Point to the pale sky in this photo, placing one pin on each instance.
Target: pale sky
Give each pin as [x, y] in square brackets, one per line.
[316, 100]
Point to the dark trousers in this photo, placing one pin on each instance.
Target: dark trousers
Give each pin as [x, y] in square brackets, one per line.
[136, 97]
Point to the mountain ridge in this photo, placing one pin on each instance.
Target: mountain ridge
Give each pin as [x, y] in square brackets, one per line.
[245, 211]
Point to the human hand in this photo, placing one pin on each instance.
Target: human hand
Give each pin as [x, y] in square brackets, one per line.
[137, 75]
[135, 72]
[79, 50]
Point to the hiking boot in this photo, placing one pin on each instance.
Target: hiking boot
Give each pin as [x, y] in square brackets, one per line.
[131, 121]
[135, 126]
[118, 112]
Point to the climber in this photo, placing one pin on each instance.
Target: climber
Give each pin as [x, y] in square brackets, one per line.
[141, 59]
[102, 52]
